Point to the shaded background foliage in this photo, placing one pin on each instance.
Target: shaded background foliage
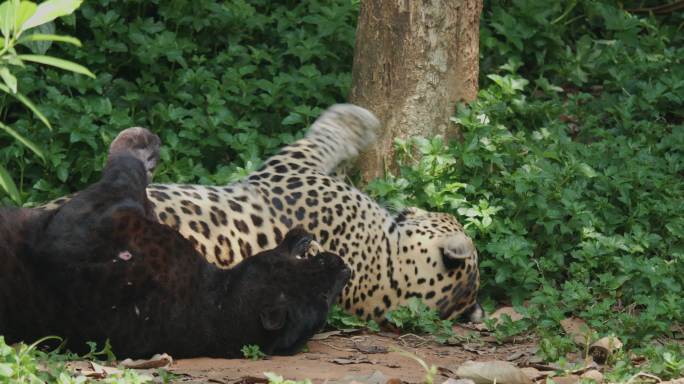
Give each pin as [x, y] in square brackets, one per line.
[572, 164]
[223, 83]
[570, 174]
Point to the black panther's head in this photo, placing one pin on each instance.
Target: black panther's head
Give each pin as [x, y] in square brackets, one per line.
[283, 296]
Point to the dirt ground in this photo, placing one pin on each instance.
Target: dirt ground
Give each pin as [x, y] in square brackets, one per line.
[336, 357]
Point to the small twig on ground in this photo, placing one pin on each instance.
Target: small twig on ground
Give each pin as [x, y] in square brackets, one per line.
[337, 348]
[413, 344]
[654, 377]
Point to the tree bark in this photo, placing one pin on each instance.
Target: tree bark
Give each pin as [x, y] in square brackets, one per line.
[414, 60]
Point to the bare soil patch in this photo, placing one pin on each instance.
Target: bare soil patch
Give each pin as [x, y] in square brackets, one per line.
[342, 358]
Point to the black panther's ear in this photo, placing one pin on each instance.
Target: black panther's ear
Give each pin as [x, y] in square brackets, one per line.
[274, 318]
[297, 242]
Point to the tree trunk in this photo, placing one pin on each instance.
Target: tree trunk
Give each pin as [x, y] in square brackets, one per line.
[413, 62]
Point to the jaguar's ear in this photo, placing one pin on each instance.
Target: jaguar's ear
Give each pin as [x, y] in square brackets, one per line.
[408, 213]
[456, 249]
[274, 317]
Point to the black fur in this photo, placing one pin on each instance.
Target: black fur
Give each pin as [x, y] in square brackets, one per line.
[99, 268]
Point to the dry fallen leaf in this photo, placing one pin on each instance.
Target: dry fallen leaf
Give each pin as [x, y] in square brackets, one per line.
[101, 371]
[486, 372]
[593, 375]
[342, 361]
[157, 361]
[570, 379]
[250, 380]
[510, 311]
[474, 348]
[444, 371]
[515, 356]
[376, 377]
[675, 381]
[462, 331]
[532, 373]
[480, 327]
[577, 329]
[458, 381]
[604, 347]
[389, 335]
[584, 366]
[370, 349]
[325, 335]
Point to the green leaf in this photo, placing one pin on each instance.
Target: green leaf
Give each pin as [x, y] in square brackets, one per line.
[587, 170]
[41, 46]
[12, 59]
[59, 63]
[48, 37]
[62, 174]
[29, 104]
[26, 10]
[293, 118]
[9, 79]
[28, 143]
[50, 10]
[10, 188]
[7, 18]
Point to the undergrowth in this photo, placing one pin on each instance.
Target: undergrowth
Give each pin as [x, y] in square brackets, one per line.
[569, 174]
[21, 363]
[224, 84]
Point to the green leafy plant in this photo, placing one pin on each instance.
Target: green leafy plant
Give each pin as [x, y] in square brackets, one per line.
[94, 354]
[23, 363]
[252, 352]
[504, 327]
[339, 319]
[673, 363]
[277, 379]
[553, 347]
[665, 361]
[417, 317]
[167, 376]
[22, 23]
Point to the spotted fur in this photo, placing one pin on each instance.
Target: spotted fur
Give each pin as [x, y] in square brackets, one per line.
[393, 257]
